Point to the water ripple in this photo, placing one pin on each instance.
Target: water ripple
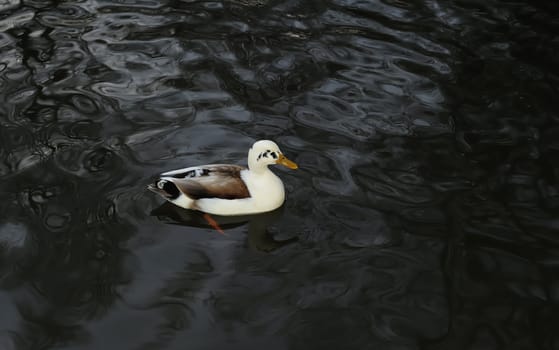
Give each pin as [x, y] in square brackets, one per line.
[423, 214]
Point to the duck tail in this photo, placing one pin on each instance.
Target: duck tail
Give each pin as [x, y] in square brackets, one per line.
[166, 188]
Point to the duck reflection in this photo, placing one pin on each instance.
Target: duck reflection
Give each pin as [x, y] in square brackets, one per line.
[259, 237]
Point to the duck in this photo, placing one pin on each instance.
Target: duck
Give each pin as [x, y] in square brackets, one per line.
[228, 189]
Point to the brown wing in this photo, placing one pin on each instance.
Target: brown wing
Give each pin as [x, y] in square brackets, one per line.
[214, 181]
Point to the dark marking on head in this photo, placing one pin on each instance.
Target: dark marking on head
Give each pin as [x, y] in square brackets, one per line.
[266, 154]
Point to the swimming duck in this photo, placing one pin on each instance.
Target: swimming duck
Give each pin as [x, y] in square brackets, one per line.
[226, 189]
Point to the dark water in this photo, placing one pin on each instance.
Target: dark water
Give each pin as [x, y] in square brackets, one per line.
[424, 215]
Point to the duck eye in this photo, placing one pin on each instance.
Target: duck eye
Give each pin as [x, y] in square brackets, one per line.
[274, 155]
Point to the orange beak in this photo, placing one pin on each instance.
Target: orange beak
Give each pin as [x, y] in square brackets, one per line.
[286, 162]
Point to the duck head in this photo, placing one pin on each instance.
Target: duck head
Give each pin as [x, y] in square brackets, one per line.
[266, 152]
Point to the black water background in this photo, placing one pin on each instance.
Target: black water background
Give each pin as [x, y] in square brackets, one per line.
[424, 215]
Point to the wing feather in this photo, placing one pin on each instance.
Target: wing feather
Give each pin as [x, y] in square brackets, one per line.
[210, 181]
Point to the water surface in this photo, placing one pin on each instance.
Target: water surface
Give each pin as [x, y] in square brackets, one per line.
[424, 214]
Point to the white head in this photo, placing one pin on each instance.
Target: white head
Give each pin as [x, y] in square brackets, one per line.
[266, 152]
